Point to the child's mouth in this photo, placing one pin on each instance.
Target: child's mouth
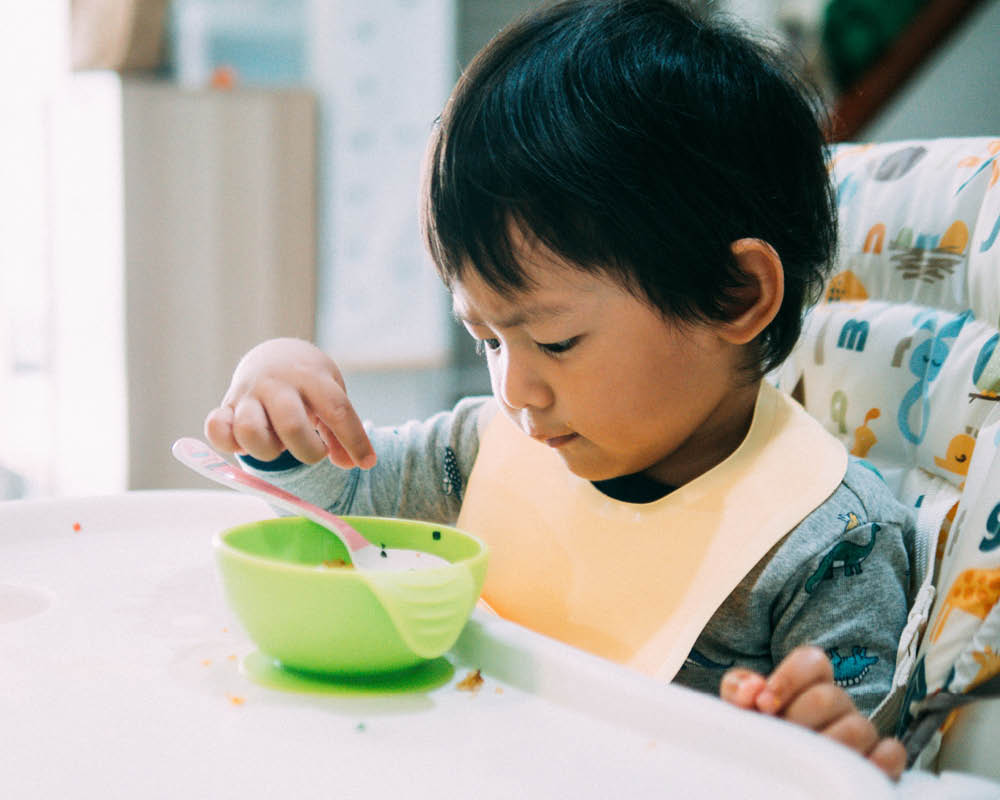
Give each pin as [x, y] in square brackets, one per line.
[559, 441]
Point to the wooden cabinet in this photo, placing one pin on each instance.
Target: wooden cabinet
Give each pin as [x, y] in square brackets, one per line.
[183, 233]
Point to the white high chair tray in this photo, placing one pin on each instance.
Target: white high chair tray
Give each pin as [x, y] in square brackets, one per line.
[121, 676]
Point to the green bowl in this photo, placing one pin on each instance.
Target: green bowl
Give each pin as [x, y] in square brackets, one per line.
[312, 617]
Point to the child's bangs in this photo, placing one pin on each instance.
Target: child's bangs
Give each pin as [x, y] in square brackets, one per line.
[503, 180]
[498, 239]
[488, 204]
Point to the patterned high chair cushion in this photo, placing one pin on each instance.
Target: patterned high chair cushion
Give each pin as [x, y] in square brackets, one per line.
[901, 360]
[959, 657]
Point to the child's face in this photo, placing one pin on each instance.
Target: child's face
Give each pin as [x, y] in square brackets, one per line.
[584, 366]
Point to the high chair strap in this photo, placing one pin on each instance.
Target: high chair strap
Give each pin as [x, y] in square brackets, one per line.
[930, 518]
[934, 712]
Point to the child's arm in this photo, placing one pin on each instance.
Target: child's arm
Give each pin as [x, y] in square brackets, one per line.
[801, 690]
[286, 394]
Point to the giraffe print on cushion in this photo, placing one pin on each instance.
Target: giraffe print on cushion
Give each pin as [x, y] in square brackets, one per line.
[974, 591]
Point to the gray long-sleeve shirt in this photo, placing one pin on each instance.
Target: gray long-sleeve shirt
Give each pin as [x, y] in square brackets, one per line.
[841, 579]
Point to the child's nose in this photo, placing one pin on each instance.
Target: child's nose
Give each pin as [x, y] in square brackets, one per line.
[519, 385]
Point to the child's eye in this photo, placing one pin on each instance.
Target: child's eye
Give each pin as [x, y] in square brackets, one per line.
[556, 348]
[482, 345]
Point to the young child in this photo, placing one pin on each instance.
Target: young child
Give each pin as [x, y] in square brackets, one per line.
[631, 209]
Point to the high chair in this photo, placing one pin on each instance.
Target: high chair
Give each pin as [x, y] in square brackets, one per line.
[901, 361]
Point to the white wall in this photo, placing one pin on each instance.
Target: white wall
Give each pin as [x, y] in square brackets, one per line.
[33, 59]
[957, 93]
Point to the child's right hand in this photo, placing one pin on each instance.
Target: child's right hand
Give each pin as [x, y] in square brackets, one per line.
[801, 690]
[287, 394]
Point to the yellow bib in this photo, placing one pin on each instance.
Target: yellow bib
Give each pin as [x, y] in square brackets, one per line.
[637, 583]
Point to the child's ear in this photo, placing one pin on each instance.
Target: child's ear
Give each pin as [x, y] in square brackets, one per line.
[757, 301]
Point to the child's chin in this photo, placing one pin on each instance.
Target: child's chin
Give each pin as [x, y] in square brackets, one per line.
[595, 470]
[588, 470]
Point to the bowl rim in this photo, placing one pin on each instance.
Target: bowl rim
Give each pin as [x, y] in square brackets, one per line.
[220, 545]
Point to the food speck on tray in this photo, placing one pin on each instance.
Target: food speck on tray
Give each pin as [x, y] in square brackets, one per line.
[236, 700]
[471, 682]
[338, 562]
[77, 527]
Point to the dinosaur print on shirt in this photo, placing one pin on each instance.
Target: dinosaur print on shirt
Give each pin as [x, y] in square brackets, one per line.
[851, 670]
[845, 554]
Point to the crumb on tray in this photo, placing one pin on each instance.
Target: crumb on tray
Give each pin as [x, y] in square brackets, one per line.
[471, 682]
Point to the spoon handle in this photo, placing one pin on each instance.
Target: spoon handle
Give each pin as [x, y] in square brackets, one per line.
[203, 459]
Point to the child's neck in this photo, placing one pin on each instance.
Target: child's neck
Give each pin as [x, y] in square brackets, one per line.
[637, 488]
[724, 430]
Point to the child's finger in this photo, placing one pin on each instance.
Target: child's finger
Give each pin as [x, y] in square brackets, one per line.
[218, 429]
[252, 431]
[295, 430]
[343, 424]
[800, 669]
[889, 755]
[741, 687]
[822, 706]
[854, 731]
[334, 449]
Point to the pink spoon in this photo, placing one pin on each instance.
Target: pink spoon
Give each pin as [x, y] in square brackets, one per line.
[204, 460]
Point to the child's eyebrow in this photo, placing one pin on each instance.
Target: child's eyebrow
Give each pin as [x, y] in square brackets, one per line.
[522, 316]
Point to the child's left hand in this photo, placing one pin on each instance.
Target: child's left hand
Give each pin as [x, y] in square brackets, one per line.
[801, 690]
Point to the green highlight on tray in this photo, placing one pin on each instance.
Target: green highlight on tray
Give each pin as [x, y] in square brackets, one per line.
[310, 615]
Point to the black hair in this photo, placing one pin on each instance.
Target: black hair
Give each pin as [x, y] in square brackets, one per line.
[637, 139]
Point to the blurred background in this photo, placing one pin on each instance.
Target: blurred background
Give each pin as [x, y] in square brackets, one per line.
[180, 180]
